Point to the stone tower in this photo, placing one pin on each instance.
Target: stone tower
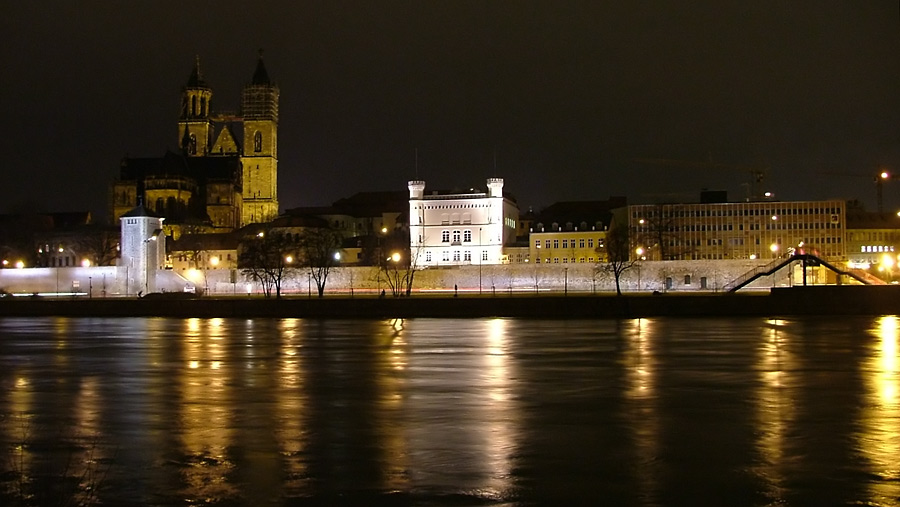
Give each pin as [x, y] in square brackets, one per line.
[259, 108]
[143, 250]
[194, 123]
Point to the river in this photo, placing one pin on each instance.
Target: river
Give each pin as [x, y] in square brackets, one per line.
[646, 412]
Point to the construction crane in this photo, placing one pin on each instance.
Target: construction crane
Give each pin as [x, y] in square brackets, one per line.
[757, 176]
[879, 179]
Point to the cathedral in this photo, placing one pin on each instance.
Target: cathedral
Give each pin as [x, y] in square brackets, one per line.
[225, 174]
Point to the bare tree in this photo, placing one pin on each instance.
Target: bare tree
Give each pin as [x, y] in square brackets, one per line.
[617, 251]
[321, 249]
[660, 231]
[265, 258]
[100, 245]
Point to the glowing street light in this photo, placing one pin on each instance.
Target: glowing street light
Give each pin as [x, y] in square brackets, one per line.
[86, 263]
[289, 259]
[20, 264]
[214, 261]
[395, 257]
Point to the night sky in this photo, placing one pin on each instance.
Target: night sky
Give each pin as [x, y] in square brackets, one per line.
[558, 98]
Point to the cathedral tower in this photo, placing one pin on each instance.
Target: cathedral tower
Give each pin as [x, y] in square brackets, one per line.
[194, 124]
[259, 107]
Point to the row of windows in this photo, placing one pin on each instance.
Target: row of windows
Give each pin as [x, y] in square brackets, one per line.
[454, 206]
[466, 235]
[565, 260]
[730, 227]
[681, 213]
[456, 255]
[878, 248]
[568, 243]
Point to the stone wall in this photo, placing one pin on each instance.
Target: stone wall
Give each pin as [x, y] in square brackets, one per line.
[648, 276]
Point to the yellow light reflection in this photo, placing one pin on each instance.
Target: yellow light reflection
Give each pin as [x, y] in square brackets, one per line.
[639, 368]
[879, 437]
[775, 402]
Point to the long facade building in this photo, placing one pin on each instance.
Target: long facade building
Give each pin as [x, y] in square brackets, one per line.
[744, 230]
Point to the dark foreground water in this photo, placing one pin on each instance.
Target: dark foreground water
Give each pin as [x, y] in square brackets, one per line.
[450, 412]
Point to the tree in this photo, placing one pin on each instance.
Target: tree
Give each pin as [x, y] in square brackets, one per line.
[321, 249]
[399, 270]
[100, 245]
[660, 231]
[265, 258]
[617, 251]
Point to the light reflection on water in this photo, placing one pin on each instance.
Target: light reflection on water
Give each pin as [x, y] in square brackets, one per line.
[462, 411]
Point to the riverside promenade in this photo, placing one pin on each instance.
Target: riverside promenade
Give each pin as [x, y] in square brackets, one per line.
[779, 302]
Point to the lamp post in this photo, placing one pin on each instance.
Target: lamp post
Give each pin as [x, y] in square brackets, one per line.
[90, 288]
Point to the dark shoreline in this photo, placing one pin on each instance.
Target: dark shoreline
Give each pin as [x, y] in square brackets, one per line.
[781, 302]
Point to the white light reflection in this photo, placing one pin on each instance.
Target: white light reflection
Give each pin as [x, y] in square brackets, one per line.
[775, 406]
[499, 436]
[879, 438]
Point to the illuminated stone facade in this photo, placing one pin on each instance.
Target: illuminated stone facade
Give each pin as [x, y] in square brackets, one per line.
[215, 183]
[453, 229]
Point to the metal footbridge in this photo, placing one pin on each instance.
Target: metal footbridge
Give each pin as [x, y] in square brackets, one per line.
[783, 262]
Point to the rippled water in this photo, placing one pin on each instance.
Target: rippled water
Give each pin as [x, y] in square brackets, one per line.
[450, 411]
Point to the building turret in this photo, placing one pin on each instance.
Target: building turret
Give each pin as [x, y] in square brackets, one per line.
[194, 123]
[495, 187]
[259, 108]
[143, 250]
[416, 189]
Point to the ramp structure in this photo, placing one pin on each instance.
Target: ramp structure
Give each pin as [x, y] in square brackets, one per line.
[784, 262]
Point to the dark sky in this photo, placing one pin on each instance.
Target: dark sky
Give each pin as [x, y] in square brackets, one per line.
[562, 95]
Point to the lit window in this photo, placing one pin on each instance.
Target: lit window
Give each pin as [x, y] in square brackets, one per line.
[537, 244]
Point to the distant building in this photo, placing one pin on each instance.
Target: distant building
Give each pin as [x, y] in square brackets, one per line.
[460, 228]
[873, 239]
[744, 230]
[225, 175]
[572, 231]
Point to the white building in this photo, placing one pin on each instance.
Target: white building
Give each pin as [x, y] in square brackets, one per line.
[143, 249]
[452, 229]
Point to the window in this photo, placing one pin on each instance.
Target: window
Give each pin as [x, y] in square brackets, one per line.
[456, 255]
[467, 236]
[537, 243]
[590, 242]
[566, 243]
[555, 243]
[445, 236]
[456, 236]
[467, 255]
[687, 279]
[547, 243]
[556, 260]
[445, 256]
[428, 256]
[257, 141]
[581, 243]
[484, 255]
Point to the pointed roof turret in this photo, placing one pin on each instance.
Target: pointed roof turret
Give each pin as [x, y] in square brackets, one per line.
[196, 79]
[260, 76]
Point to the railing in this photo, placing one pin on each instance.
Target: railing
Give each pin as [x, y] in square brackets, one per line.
[752, 273]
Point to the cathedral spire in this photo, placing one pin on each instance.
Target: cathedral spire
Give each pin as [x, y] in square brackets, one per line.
[260, 76]
[196, 79]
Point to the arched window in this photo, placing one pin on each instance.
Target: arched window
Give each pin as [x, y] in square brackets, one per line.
[257, 141]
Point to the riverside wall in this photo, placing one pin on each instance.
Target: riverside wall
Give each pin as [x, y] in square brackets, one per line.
[828, 301]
